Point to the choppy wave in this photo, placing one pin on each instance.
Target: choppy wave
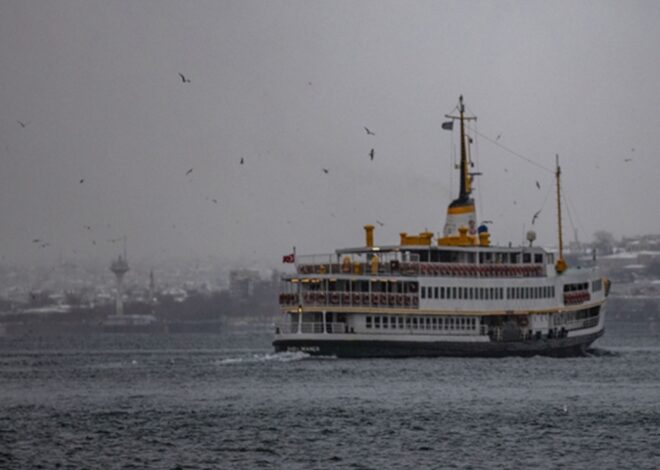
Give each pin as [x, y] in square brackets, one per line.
[601, 352]
[231, 405]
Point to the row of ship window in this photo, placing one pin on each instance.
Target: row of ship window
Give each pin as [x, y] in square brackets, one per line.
[487, 293]
[394, 322]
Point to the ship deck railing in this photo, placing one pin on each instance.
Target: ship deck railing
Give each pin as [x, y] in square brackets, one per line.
[350, 299]
[343, 328]
[581, 323]
[415, 269]
[577, 297]
[309, 327]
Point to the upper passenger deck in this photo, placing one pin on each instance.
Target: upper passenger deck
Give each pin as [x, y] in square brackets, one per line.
[424, 260]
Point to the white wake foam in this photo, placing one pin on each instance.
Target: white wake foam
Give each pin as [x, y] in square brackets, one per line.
[274, 357]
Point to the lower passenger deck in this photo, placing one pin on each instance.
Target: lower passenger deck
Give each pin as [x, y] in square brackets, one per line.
[504, 327]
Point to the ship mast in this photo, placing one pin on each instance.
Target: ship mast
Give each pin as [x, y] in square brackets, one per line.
[560, 265]
[466, 180]
[461, 223]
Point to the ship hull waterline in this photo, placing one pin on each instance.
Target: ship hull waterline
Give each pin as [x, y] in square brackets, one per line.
[556, 347]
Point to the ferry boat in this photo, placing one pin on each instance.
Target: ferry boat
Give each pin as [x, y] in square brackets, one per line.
[457, 295]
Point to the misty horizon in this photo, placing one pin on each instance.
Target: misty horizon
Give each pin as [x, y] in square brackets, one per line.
[107, 107]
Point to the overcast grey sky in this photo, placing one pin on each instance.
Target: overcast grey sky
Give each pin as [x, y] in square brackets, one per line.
[288, 87]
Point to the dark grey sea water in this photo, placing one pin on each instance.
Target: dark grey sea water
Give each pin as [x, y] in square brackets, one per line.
[209, 401]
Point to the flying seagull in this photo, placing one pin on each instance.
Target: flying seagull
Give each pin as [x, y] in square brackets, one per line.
[87, 227]
[368, 131]
[538, 185]
[189, 171]
[536, 216]
[487, 222]
[628, 160]
[325, 170]
[371, 154]
[36, 240]
[215, 201]
[23, 124]
[242, 160]
[82, 180]
[184, 79]
[498, 136]
[380, 223]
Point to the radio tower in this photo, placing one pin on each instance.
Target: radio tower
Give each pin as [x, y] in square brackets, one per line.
[119, 267]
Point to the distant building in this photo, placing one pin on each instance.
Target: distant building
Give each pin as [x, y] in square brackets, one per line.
[242, 282]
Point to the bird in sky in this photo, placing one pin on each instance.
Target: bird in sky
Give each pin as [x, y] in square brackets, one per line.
[184, 79]
[325, 170]
[498, 136]
[44, 245]
[538, 185]
[368, 131]
[36, 240]
[23, 124]
[242, 160]
[487, 222]
[189, 171]
[628, 160]
[87, 227]
[93, 242]
[82, 180]
[371, 154]
[536, 214]
[380, 223]
[215, 201]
